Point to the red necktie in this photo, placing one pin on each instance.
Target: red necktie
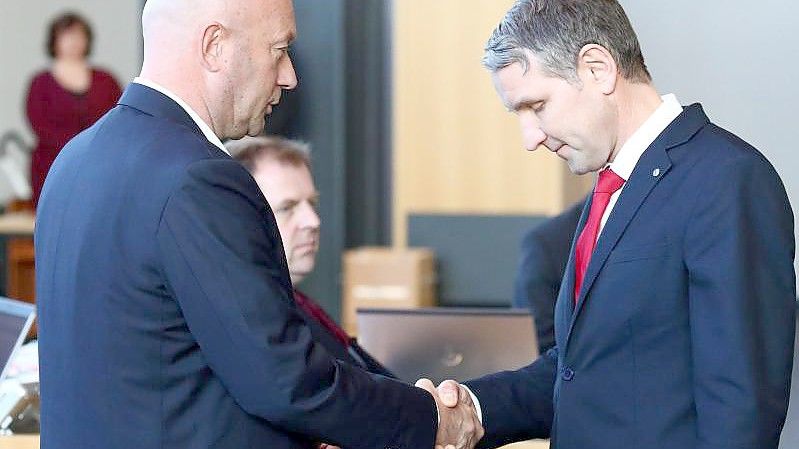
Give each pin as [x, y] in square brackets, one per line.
[608, 183]
[317, 313]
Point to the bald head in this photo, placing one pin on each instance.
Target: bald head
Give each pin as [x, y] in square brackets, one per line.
[225, 58]
[172, 27]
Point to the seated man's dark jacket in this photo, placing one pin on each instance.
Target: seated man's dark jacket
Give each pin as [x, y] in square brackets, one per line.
[544, 253]
[335, 340]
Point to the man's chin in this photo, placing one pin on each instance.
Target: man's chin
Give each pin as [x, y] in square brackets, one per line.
[300, 272]
[256, 127]
[577, 168]
[304, 262]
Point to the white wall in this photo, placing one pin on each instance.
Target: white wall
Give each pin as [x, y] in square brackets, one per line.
[23, 29]
[739, 59]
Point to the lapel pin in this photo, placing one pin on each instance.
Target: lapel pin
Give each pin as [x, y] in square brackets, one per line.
[656, 172]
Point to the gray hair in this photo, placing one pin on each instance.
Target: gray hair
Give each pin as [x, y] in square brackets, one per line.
[249, 150]
[555, 31]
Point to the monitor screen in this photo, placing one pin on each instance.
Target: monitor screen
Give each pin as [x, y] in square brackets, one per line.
[15, 320]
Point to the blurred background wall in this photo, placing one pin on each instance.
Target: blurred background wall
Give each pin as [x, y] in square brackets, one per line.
[456, 149]
[117, 46]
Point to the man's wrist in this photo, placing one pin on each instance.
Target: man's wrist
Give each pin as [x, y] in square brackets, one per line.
[476, 403]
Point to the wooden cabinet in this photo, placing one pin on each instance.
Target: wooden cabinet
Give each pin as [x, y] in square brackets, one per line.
[20, 274]
[17, 273]
[17, 226]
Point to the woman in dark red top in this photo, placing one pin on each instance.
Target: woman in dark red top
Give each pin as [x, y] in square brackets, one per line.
[67, 98]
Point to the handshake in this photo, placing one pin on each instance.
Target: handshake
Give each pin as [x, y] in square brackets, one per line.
[459, 425]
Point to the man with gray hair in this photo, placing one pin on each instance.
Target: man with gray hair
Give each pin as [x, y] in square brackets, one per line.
[674, 324]
[167, 318]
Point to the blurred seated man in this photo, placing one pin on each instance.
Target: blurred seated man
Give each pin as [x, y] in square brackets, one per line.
[282, 169]
[544, 253]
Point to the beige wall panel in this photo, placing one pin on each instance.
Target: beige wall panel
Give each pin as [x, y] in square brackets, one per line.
[456, 149]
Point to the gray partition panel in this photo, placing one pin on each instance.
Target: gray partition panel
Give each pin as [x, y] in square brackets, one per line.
[477, 255]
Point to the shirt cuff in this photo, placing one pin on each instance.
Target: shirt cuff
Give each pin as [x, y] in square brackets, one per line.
[476, 404]
[475, 401]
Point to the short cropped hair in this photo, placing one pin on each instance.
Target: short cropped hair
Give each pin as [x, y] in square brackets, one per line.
[555, 31]
[250, 150]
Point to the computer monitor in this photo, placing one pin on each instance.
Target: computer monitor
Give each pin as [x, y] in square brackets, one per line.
[448, 343]
[16, 318]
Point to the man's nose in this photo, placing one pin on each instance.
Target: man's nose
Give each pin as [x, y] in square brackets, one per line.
[309, 218]
[532, 134]
[287, 76]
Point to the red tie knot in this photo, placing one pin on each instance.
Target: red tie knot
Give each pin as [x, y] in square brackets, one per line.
[609, 182]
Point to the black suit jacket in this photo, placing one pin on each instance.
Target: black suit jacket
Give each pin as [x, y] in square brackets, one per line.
[684, 330]
[544, 253]
[166, 311]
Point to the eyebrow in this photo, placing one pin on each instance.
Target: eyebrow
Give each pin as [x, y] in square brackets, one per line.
[289, 37]
[293, 202]
[522, 103]
[287, 203]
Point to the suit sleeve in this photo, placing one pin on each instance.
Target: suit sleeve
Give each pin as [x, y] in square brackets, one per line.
[739, 250]
[517, 405]
[224, 264]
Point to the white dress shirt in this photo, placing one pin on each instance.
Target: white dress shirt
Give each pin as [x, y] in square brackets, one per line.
[627, 157]
[206, 130]
[624, 163]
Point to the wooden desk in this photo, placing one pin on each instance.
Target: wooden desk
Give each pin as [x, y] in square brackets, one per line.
[16, 224]
[20, 442]
[16, 255]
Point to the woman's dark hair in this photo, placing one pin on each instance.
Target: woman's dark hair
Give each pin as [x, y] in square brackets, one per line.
[61, 24]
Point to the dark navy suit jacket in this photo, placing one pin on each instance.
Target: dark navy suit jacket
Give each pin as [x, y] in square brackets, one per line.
[683, 336]
[544, 253]
[166, 311]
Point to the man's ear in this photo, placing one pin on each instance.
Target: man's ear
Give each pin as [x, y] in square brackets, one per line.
[211, 50]
[596, 66]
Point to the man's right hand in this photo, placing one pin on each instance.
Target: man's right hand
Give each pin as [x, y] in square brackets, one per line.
[458, 426]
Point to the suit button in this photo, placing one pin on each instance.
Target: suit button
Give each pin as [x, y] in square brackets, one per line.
[567, 374]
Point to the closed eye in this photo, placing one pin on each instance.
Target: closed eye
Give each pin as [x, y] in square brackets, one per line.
[286, 207]
[535, 106]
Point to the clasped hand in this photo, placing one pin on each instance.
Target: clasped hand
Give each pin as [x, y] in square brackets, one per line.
[459, 426]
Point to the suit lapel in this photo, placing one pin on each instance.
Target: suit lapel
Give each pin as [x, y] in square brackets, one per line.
[650, 169]
[641, 182]
[564, 306]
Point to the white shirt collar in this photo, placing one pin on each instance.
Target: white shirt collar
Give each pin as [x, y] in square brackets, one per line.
[206, 130]
[627, 157]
